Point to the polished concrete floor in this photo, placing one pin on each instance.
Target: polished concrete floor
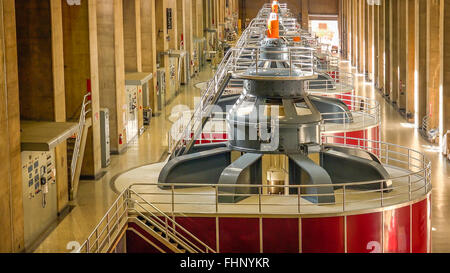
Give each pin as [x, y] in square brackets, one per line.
[95, 197]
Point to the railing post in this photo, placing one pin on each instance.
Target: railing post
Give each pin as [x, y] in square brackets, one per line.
[364, 118]
[382, 193]
[96, 239]
[166, 227]
[217, 198]
[257, 52]
[299, 194]
[343, 199]
[173, 199]
[107, 225]
[290, 61]
[259, 199]
[387, 155]
[88, 250]
[409, 159]
[409, 186]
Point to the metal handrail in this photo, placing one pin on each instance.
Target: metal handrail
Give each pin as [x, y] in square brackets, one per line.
[299, 57]
[105, 224]
[79, 133]
[205, 101]
[232, 62]
[171, 231]
[430, 133]
[367, 110]
[417, 186]
[415, 181]
[339, 82]
[105, 233]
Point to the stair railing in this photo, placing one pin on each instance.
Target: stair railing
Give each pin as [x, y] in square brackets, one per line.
[166, 224]
[207, 100]
[79, 134]
[109, 228]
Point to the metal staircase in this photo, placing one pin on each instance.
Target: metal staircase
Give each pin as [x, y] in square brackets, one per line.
[76, 146]
[163, 227]
[130, 207]
[203, 111]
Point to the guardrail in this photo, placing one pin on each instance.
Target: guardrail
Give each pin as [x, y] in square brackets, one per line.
[108, 229]
[430, 134]
[365, 112]
[300, 61]
[413, 182]
[410, 180]
[79, 135]
[336, 82]
[127, 204]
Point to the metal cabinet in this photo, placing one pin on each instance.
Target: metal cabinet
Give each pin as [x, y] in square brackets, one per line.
[161, 88]
[104, 137]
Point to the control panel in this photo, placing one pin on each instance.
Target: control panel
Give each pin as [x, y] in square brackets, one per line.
[39, 193]
[38, 169]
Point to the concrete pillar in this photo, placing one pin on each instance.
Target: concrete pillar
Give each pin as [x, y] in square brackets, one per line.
[162, 40]
[11, 205]
[188, 36]
[132, 35]
[349, 28]
[445, 69]
[420, 65]
[401, 58]
[220, 18]
[433, 62]
[172, 79]
[199, 13]
[149, 33]
[387, 48]
[361, 35]
[305, 14]
[181, 32]
[381, 46]
[210, 15]
[410, 57]
[173, 33]
[81, 64]
[393, 19]
[112, 69]
[62, 183]
[194, 17]
[340, 20]
[354, 32]
[181, 22]
[376, 43]
[42, 91]
[369, 43]
[215, 13]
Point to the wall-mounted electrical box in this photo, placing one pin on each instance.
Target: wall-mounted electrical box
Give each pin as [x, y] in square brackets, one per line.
[161, 88]
[104, 137]
[39, 194]
[169, 18]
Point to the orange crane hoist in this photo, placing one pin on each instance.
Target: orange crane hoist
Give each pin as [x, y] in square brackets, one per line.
[273, 26]
[275, 7]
